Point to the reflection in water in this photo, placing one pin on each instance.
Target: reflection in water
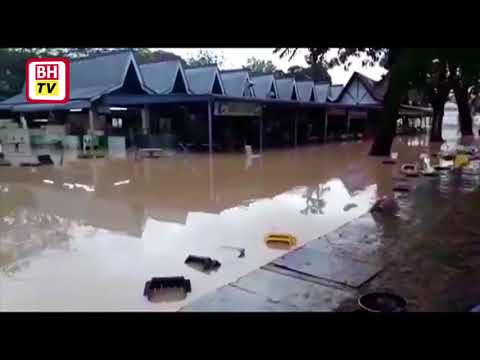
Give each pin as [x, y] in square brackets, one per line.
[314, 201]
[159, 211]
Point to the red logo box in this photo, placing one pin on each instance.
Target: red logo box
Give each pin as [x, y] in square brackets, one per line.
[48, 69]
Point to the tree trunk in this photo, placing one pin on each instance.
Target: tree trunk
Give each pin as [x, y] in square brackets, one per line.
[386, 127]
[460, 90]
[438, 112]
[465, 115]
[437, 123]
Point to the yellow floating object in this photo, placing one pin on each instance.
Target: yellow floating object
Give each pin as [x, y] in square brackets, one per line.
[461, 160]
[280, 239]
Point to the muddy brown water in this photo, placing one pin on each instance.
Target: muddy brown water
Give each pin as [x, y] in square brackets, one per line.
[87, 234]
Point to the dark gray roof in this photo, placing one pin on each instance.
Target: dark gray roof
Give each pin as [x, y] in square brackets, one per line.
[376, 89]
[322, 92]
[161, 76]
[262, 85]
[286, 87]
[200, 80]
[334, 92]
[93, 77]
[305, 90]
[235, 82]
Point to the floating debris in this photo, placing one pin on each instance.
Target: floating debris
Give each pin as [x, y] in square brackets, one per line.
[156, 284]
[206, 262]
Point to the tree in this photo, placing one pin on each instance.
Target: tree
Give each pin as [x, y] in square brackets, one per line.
[146, 55]
[260, 66]
[205, 58]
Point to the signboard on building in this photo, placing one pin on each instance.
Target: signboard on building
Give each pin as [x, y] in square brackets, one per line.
[222, 108]
[337, 112]
[358, 114]
[48, 80]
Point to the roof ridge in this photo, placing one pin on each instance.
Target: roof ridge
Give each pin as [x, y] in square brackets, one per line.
[200, 67]
[160, 62]
[235, 70]
[96, 56]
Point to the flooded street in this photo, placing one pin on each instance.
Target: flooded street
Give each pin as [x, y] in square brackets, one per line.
[87, 234]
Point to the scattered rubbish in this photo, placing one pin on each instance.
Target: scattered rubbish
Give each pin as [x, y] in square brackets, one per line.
[45, 160]
[241, 251]
[206, 262]
[382, 302]
[427, 169]
[280, 239]
[157, 284]
[349, 206]
[410, 170]
[448, 157]
[461, 160]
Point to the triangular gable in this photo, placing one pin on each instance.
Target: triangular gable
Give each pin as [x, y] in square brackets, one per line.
[265, 87]
[166, 77]
[273, 91]
[357, 91]
[179, 86]
[217, 87]
[204, 80]
[294, 93]
[306, 91]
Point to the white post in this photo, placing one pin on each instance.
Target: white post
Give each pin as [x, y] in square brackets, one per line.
[210, 136]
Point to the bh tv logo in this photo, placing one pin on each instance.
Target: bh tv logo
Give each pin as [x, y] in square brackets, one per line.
[48, 80]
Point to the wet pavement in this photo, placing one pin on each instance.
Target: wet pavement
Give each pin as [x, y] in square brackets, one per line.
[87, 234]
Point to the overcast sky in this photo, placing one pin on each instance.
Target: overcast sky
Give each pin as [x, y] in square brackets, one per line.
[237, 57]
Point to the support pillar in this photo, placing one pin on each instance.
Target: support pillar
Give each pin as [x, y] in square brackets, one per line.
[261, 132]
[145, 112]
[210, 135]
[295, 129]
[348, 121]
[91, 120]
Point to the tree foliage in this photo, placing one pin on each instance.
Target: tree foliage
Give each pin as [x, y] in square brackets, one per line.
[260, 66]
[205, 58]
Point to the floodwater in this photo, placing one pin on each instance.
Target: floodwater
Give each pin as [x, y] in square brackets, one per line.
[87, 234]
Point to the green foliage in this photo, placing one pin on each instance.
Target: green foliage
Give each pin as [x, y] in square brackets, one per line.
[205, 58]
[260, 66]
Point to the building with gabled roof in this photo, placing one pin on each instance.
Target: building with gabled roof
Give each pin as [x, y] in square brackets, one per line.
[306, 91]
[360, 90]
[321, 91]
[165, 77]
[205, 80]
[237, 83]
[287, 89]
[265, 87]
